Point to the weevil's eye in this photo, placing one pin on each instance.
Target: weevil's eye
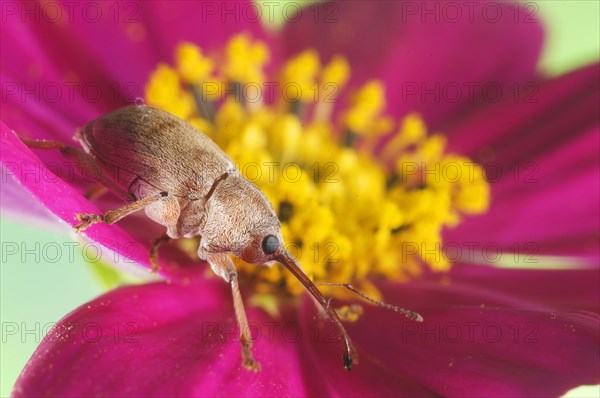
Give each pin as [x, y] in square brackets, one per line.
[270, 244]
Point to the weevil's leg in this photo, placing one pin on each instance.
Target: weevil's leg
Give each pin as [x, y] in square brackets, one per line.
[112, 216]
[154, 251]
[224, 267]
[85, 164]
[245, 338]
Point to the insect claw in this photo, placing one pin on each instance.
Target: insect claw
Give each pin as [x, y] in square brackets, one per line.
[251, 364]
[348, 363]
[86, 220]
[248, 360]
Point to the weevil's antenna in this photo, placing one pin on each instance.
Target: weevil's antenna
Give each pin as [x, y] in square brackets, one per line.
[292, 265]
[407, 313]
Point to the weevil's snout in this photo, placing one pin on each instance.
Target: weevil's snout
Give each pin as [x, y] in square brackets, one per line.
[269, 246]
[287, 260]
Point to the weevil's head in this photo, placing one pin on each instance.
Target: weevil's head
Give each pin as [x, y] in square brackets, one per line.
[240, 220]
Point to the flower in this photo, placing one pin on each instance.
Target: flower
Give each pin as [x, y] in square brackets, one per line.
[487, 330]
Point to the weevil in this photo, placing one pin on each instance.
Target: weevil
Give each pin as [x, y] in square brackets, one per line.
[185, 182]
[182, 180]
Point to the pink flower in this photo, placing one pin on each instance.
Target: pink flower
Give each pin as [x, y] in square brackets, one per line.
[488, 331]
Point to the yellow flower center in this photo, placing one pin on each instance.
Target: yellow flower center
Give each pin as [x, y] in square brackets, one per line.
[347, 214]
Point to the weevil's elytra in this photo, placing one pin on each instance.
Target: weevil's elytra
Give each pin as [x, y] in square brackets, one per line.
[151, 145]
[184, 181]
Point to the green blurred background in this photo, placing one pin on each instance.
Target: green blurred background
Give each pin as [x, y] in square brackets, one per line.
[34, 294]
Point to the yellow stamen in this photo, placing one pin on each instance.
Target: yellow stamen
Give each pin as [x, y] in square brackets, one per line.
[412, 131]
[191, 64]
[347, 215]
[245, 60]
[350, 313]
[336, 72]
[367, 105]
[333, 78]
[164, 91]
[298, 77]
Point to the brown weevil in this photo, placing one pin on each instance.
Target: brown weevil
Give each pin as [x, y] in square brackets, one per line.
[184, 181]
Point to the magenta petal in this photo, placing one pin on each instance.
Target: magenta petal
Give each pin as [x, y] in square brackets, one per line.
[486, 351]
[169, 340]
[165, 339]
[542, 159]
[159, 340]
[540, 290]
[481, 337]
[543, 118]
[536, 220]
[415, 52]
[208, 24]
[477, 341]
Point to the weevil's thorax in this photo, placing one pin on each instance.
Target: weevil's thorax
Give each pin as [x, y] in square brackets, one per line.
[237, 218]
